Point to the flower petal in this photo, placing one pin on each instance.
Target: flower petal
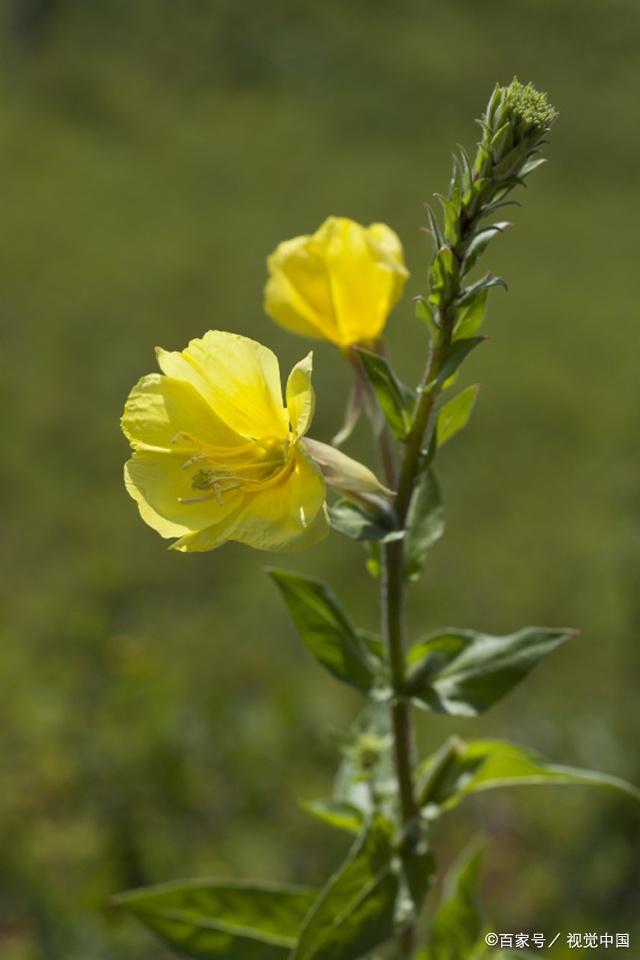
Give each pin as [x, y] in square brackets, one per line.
[298, 292]
[158, 483]
[161, 409]
[301, 398]
[367, 277]
[284, 517]
[240, 379]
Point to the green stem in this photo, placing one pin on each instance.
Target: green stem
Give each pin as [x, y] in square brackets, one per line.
[392, 587]
[393, 630]
[502, 156]
[422, 421]
[392, 595]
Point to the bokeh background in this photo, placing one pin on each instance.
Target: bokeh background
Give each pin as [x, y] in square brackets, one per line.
[158, 716]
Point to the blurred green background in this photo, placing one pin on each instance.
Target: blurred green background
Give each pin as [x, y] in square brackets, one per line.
[158, 717]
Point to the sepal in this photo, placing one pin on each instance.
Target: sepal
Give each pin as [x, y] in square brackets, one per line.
[343, 472]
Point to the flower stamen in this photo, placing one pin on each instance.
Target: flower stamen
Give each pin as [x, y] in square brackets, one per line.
[253, 465]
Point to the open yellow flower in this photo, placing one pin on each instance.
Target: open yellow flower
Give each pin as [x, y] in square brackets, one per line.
[217, 455]
[340, 284]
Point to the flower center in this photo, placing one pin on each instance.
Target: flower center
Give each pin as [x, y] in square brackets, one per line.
[221, 470]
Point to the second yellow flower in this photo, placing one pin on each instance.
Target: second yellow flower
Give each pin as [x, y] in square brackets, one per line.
[340, 284]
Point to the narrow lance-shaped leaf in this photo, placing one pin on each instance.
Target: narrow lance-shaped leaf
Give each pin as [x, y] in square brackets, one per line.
[213, 920]
[356, 910]
[463, 673]
[457, 926]
[443, 276]
[426, 313]
[425, 524]
[458, 350]
[470, 317]
[455, 414]
[326, 630]
[417, 868]
[480, 243]
[336, 813]
[478, 765]
[396, 400]
[485, 283]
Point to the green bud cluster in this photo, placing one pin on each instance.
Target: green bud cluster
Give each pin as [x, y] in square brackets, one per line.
[514, 126]
[528, 106]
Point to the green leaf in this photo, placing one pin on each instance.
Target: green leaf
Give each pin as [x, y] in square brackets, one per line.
[450, 219]
[456, 354]
[426, 313]
[455, 414]
[465, 167]
[480, 243]
[463, 673]
[325, 629]
[425, 524]
[417, 870]
[358, 522]
[336, 813]
[396, 400]
[355, 912]
[471, 316]
[485, 283]
[457, 926]
[434, 230]
[503, 139]
[218, 919]
[478, 765]
[443, 275]
[511, 163]
[532, 165]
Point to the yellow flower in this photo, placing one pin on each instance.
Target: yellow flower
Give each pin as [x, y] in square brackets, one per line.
[217, 456]
[339, 284]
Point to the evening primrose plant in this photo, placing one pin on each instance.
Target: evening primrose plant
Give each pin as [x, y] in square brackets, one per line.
[219, 455]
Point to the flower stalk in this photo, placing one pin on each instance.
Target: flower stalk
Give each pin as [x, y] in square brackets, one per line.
[513, 128]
